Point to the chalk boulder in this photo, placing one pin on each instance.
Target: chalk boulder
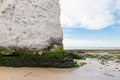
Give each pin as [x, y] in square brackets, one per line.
[32, 25]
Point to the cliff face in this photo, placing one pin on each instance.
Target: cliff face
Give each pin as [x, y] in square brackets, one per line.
[30, 24]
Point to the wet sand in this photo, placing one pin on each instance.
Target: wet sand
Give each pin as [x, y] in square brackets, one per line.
[92, 71]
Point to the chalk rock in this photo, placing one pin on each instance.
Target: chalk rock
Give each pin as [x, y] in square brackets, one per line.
[30, 24]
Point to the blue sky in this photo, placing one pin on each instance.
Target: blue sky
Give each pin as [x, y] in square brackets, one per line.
[91, 23]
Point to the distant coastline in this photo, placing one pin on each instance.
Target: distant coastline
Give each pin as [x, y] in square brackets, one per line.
[92, 48]
[110, 50]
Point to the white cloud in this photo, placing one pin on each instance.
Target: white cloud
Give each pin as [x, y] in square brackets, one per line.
[118, 4]
[76, 43]
[68, 30]
[90, 14]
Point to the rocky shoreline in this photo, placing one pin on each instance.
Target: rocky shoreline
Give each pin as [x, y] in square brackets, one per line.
[110, 51]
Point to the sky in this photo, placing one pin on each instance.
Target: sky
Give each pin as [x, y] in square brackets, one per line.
[90, 23]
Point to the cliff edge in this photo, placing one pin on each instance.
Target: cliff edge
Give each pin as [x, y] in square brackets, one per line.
[32, 25]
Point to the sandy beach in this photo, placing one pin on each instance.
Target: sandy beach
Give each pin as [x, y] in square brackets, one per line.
[93, 70]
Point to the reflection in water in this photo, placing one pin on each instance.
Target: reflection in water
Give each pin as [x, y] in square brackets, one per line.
[92, 71]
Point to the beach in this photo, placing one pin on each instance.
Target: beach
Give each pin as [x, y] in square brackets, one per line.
[93, 70]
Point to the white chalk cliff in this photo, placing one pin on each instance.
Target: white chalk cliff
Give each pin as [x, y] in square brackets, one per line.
[30, 24]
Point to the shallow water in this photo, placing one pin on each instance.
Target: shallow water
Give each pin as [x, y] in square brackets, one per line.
[92, 71]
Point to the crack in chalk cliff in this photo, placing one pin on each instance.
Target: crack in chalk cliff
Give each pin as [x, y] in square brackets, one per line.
[12, 18]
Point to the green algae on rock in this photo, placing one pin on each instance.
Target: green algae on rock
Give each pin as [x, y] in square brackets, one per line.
[56, 58]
